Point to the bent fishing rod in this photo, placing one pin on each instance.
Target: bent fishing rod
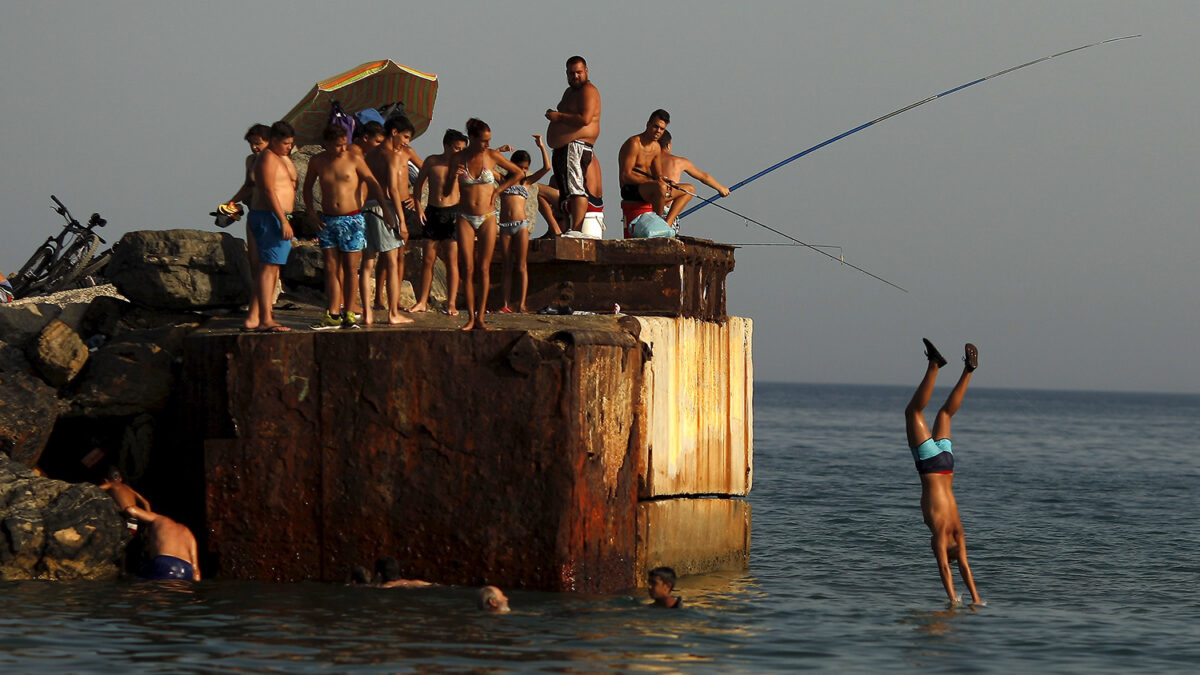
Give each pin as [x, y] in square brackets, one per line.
[748, 219]
[906, 108]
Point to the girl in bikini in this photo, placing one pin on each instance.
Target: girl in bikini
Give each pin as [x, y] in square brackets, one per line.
[514, 226]
[476, 217]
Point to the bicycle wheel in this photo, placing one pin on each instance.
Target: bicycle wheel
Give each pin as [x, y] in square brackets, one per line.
[33, 270]
[93, 273]
[71, 263]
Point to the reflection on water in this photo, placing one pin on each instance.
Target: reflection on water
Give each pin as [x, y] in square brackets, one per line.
[1072, 563]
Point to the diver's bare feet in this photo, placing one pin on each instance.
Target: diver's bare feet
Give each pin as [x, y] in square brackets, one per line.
[396, 319]
[470, 325]
[419, 307]
[368, 316]
[452, 311]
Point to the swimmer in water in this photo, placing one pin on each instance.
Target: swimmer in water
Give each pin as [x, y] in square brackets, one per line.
[935, 464]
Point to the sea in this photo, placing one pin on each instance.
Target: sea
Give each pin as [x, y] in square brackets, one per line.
[1082, 517]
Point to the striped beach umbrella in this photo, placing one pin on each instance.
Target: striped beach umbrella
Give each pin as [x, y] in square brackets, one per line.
[371, 85]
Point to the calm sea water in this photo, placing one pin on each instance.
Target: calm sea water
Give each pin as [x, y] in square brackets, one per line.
[1081, 511]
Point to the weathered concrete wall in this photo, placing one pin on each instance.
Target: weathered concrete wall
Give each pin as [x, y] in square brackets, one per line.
[693, 535]
[700, 384]
[505, 457]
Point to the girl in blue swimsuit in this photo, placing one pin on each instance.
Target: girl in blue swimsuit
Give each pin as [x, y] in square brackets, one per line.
[476, 213]
[515, 227]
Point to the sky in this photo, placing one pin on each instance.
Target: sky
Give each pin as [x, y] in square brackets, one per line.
[1049, 215]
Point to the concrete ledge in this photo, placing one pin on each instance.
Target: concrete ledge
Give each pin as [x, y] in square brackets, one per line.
[693, 535]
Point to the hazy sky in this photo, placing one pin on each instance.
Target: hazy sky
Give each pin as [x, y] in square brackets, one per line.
[1049, 216]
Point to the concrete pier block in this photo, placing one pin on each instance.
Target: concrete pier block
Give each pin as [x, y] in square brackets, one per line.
[693, 535]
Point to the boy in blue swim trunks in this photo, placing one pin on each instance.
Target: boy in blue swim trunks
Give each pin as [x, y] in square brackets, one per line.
[935, 463]
[343, 233]
[271, 201]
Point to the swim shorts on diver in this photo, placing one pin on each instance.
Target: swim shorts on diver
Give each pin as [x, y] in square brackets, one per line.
[934, 456]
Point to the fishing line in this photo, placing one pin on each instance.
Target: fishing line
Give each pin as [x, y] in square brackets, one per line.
[906, 108]
[748, 219]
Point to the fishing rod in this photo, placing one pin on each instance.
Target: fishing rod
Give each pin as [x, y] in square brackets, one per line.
[748, 219]
[906, 108]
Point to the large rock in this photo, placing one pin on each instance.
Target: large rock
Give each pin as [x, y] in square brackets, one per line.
[58, 353]
[55, 530]
[305, 266]
[181, 269]
[19, 323]
[128, 377]
[28, 410]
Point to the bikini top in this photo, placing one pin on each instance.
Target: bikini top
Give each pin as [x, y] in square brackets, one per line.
[518, 190]
[485, 176]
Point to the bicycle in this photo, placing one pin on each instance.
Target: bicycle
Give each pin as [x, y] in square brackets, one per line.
[61, 259]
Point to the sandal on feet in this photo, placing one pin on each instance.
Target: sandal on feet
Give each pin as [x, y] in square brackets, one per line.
[971, 357]
[933, 354]
[505, 310]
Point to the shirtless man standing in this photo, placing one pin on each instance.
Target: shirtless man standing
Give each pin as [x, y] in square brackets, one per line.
[572, 132]
[389, 162]
[673, 168]
[643, 195]
[342, 228]
[172, 545]
[441, 217]
[270, 203]
[935, 464]
[256, 137]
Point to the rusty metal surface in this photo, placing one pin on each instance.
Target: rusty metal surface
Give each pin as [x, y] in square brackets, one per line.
[693, 535]
[680, 277]
[501, 457]
[700, 426]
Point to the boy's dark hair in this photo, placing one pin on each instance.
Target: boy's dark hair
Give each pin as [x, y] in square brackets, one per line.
[333, 132]
[387, 569]
[114, 473]
[398, 125]
[452, 136]
[662, 115]
[281, 129]
[576, 59]
[258, 130]
[476, 127]
[371, 129]
[521, 156]
[664, 574]
[664, 140]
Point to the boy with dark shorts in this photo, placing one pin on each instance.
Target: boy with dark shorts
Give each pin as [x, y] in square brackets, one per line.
[441, 218]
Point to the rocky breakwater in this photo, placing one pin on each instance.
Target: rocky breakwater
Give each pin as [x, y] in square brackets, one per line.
[87, 380]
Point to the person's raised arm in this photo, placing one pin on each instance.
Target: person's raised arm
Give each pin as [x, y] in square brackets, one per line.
[142, 516]
[705, 178]
[140, 500]
[537, 175]
[514, 173]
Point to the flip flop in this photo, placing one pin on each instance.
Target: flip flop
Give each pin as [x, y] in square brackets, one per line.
[505, 310]
[933, 354]
[971, 357]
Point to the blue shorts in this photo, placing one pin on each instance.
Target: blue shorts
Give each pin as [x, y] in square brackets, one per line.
[166, 567]
[380, 237]
[345, 233]
[650, 225]
[934, 456]
[273, 249]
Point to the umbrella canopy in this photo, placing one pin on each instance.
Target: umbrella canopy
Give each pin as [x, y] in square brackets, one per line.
[371, 85]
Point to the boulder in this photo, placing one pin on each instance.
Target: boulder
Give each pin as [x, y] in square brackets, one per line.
[50, 529]
[58, 354]
[125, 378]
[181, 269]
[305, 266]
[28, 410]
[12, 360]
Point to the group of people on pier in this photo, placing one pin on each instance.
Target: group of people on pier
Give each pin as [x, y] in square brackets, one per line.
[377, 194]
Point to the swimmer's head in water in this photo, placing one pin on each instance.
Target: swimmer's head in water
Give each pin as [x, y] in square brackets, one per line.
[492, 599]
